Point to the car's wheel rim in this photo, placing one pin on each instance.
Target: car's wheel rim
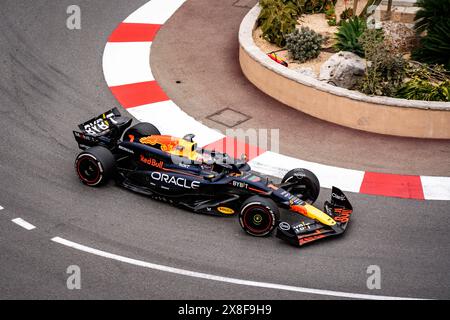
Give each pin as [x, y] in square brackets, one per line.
[257, 220]
[88, 170]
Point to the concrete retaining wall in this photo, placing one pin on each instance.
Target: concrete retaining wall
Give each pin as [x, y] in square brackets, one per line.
[349, 108]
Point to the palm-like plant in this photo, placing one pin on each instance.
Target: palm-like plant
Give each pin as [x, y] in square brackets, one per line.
[348, 34]
[435, 46]
[431, 12]
[434, 18]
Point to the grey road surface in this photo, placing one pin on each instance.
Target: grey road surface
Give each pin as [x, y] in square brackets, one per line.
[50, 80]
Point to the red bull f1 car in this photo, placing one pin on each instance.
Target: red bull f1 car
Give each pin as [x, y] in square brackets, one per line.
[176, 171]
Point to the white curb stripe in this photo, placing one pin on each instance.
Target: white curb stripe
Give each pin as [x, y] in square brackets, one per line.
[127, 62]
[212, 277]
[171, 120]
[278, 165]
[23, 224]
[436, 188]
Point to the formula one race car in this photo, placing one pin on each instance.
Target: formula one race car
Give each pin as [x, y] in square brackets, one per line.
[176, 171]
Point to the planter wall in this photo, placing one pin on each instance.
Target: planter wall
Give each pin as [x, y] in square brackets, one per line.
[349, 108]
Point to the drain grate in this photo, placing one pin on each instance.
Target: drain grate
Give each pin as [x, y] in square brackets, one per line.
[229, 117]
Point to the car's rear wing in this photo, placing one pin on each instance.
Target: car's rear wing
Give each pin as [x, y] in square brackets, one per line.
[100, 124]
[104, 129]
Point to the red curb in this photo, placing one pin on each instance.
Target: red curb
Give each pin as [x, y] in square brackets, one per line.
[392, 185]
[138, 94]
[134, 32]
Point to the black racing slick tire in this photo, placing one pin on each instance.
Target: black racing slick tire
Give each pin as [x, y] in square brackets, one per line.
[259, 216]
[143, 129]
[95, 166]
[305, 185]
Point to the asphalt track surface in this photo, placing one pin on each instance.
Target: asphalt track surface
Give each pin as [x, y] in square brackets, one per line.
[51, 79]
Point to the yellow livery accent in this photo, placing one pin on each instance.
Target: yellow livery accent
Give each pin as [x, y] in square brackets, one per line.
[225, 210]
[319, 215]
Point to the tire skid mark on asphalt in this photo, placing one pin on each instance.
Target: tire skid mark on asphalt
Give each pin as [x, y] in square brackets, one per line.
[24, 224]
[128, 74]
[212, 277]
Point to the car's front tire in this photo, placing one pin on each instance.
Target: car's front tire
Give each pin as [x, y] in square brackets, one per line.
[305, 184]
[259, 216]
[95, 166]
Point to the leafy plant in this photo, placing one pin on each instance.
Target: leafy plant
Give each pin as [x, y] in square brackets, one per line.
[386, 68]
[277, 19]
[330, 14]
[332, 22]
[304, 44]
[434, 18]
[419, 89]
[348, 34]
[314, 6]
[430, 83]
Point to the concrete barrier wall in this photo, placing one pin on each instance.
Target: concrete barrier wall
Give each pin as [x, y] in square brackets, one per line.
[349, 108]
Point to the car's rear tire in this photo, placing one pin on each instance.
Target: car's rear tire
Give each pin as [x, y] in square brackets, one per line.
[259, 216]
[306, 187]
[143, 129]
[95, 166]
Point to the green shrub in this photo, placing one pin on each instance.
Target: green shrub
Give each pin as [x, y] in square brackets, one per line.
[330, 14]
[430, 83]
[419, 89]
[304, 44]
[348, 34]
[277, 19]
[386, 68]
[315, 6]
[332, 22]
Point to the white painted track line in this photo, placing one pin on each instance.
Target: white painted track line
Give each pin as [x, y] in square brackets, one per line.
[1, 208]
[212, 277]
[23, 224]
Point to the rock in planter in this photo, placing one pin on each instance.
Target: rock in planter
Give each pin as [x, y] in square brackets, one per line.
[306, 71]
[343, 69]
